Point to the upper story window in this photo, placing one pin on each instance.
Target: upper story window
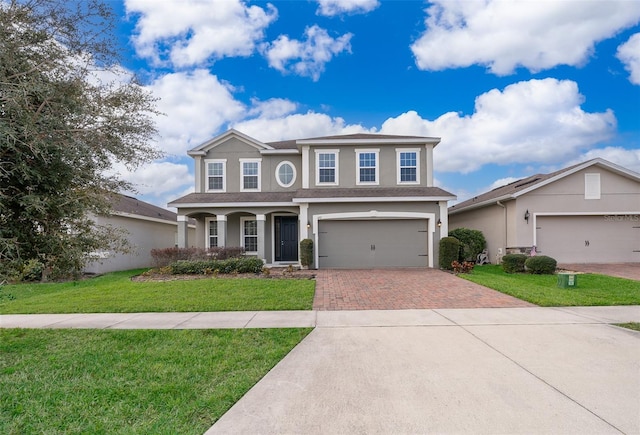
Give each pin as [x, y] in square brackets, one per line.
[250, 174]
[327, 167]
[408, 166]
[216, 179]
[367, 166]
[285, 174]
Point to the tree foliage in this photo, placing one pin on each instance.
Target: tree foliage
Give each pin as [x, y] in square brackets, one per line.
[68, 112]
[473, 243]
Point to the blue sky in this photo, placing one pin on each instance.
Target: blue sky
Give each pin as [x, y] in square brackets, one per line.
[512, 87]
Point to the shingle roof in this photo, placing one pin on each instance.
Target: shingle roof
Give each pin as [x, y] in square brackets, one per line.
[282, 197]
[513, 189]
[292, 144]
[127, 204]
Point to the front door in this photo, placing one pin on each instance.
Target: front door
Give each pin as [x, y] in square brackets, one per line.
[286, 238]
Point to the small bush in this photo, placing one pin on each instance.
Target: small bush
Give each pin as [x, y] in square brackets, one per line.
[228, 266]
[541, 265]
[464, 267]
[473, 243]
[449, 252]
[167, 256]
[32, 270]
[224, 252]
[514, 263]
[306, 252]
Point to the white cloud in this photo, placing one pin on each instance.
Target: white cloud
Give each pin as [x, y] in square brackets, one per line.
[629, 55]
[295, 126]
[306, 58]
[629, 159]
[332, 8]
[272, 108]
[197, 104]
[504, 35]
[157, 178]
[531, 121]
[189, 32]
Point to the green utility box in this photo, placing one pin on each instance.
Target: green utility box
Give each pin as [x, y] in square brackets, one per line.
[567, 280]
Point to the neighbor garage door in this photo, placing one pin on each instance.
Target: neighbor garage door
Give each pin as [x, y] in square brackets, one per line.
[589, 239]
[363, 244]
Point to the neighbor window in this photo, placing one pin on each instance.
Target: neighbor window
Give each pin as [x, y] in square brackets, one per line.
[367, 162]
[285, 174]
[408, 166]
[591, 186]
[250, 234]
[250, 174]
[216, 175]
[327, 167]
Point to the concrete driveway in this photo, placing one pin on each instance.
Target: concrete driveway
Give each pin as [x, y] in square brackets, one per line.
[402, 289]
[480, 371]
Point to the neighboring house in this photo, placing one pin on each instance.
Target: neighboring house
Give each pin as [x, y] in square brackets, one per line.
[147, 227]
[366, 200]
[587, 213]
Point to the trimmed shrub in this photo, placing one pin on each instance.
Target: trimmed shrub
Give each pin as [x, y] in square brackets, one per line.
[473, 243]
[224, 252]
[514, 263]
[306, 252]
[541, 264]
[449, 252]
[165, 257]
[228, 266]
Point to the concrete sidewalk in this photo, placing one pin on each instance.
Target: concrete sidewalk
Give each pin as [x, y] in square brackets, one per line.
[295, 319]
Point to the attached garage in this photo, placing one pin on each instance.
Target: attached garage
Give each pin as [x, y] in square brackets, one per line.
[589, 239]
[373, 243]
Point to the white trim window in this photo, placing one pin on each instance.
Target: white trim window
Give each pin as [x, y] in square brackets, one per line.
[327, 167]
[408, 165]
[212, 233]
[367, 167]
[250, 175]
[285, 174]
[249, 234]
[216, 175]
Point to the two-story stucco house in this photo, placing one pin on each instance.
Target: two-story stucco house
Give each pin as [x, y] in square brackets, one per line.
[366, 200]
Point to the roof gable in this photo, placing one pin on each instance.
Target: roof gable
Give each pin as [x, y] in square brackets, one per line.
[525, 185]
[202, 149]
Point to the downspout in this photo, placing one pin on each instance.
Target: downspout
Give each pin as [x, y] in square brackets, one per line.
[498, 203]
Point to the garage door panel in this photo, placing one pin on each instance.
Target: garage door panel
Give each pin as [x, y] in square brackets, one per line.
[589, 239]
[372, 243]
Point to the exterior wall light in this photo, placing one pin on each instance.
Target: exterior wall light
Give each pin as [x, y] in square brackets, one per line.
[439, 223]
[526, 215]
[308, 225]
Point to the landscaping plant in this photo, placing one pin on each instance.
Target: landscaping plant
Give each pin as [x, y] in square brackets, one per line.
[540, 264]
[306, 252]
[449, 252]
[514, 263]
[473, 243]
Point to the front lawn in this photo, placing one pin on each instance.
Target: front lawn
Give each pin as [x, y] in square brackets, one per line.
[136, 381]
[116, 293]
[592, 289]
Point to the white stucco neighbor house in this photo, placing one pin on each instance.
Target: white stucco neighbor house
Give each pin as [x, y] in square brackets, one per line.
[147, 226]
[586, 213]
[366, 200]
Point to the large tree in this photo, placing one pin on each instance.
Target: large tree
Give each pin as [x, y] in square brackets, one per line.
[68, 112]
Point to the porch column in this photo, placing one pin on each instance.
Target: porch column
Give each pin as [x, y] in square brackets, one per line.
[303, 217]
[183, 231]
[261, 222]
[222, 230]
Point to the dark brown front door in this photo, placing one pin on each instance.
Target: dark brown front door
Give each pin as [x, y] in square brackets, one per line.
[286, 238]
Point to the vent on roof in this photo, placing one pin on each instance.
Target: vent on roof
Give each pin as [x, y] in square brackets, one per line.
[527, 182]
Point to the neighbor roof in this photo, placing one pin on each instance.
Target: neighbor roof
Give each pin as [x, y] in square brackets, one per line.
[525, 185]
[123, 204]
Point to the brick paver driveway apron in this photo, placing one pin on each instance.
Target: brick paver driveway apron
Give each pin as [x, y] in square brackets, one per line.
[402, 289]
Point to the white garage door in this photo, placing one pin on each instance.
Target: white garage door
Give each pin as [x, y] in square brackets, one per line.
[589, 239]
[368, 244]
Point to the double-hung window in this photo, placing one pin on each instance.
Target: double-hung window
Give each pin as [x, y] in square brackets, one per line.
[249, 228]
[408, 166]
[250, 174]
[216, 180]
[327, 167]
[212, 233]
[367, 166]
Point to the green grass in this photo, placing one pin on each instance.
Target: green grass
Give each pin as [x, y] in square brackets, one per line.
[632, 325]
[134, 382]
[592, 289]
[116, 293]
